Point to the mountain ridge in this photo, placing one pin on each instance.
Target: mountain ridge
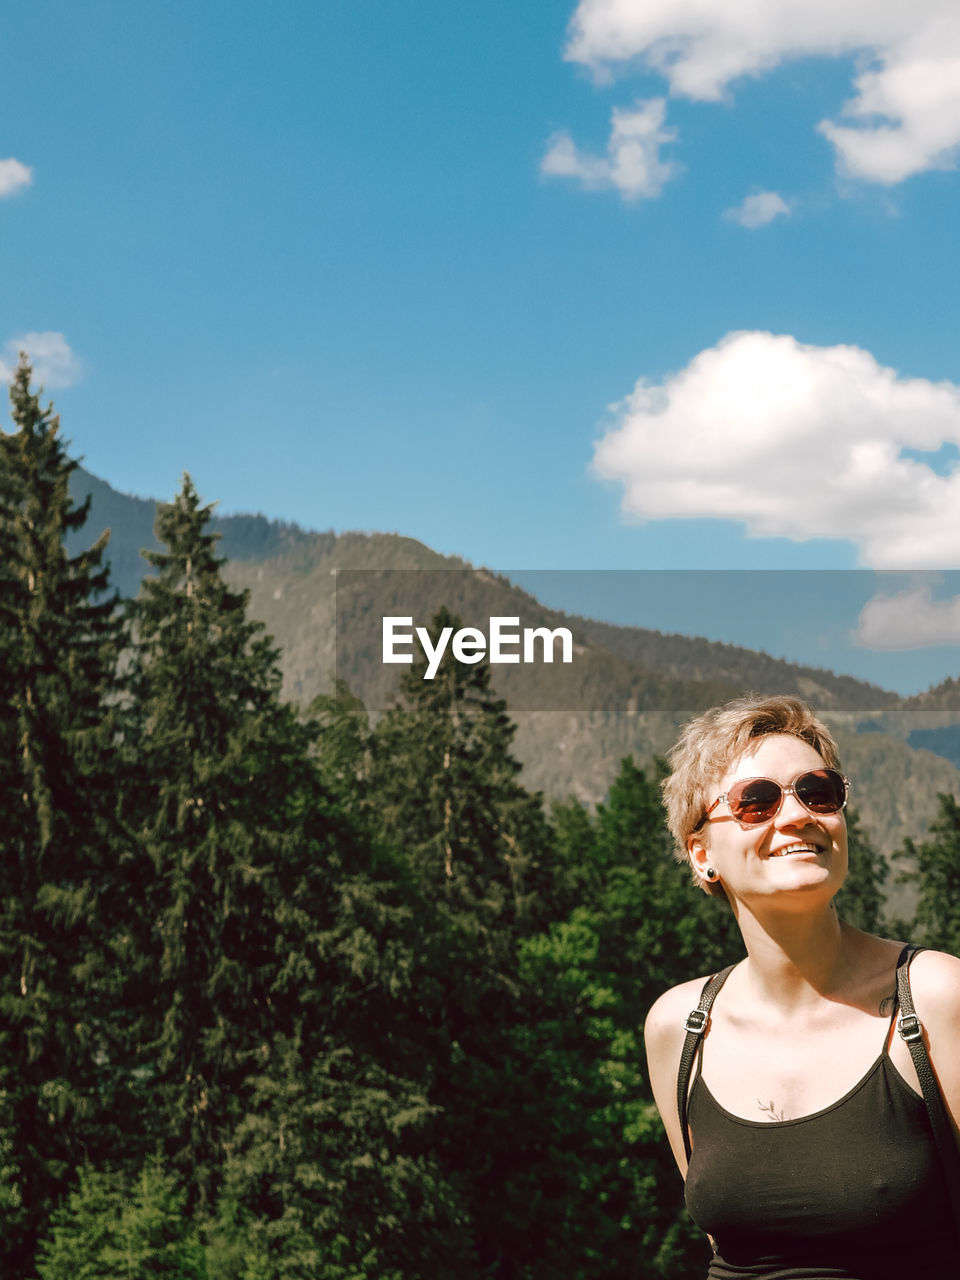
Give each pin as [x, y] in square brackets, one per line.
[631, 689]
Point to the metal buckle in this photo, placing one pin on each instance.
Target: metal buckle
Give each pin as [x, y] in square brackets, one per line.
[696, 1021]
[909, 1026]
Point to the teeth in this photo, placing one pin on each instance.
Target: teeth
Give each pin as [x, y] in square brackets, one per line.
[794, 848]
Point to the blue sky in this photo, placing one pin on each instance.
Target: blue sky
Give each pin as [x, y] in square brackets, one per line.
[600, 286]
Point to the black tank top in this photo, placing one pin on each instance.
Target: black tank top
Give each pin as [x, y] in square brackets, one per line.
[852, 1192]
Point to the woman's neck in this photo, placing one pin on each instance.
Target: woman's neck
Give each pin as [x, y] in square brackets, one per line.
[795, 959]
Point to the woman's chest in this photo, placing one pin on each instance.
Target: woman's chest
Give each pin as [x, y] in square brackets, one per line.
[858, 1179]
[778, 1072]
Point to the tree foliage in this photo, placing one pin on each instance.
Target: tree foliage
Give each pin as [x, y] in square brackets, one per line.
[447, 791]
[639, 928]
[109, 1230]
[329, 1176]
[60, 636]
[862, 898]
[933, 865]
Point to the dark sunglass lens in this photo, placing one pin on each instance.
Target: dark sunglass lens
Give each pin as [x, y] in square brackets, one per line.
[821, 790]
[755, 800]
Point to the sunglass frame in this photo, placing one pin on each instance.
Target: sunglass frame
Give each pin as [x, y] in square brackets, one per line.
[790, 789]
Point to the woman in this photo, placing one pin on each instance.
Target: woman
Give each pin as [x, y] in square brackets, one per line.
[812, 1155]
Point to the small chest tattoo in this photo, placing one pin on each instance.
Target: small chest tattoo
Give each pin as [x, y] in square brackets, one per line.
[769, 1108]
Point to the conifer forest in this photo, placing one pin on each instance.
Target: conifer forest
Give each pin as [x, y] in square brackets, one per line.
[288, 994]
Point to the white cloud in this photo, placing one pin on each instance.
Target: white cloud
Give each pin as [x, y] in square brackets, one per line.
[757, 210]
[908, 620]
[905, 115]
[917, 96]
[55, 365]
[632, 164]
[794, 441]
[14, 176]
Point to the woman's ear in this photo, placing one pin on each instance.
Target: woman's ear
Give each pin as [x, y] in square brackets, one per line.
[700, 860]
[697, 850]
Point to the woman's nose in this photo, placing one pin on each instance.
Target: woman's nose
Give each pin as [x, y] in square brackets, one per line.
[791, 810]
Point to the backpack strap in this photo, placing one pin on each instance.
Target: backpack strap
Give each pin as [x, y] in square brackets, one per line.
[911, 1030]
[695, 1026]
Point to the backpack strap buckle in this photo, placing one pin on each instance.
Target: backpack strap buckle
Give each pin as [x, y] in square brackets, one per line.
[910, 1027]
[696, 1021]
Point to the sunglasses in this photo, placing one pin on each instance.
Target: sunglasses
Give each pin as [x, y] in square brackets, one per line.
[756, 800]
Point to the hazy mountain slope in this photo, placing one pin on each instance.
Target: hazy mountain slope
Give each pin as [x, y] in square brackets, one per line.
[626, 692]
[131, 519]
[574, 724]
[692, 658]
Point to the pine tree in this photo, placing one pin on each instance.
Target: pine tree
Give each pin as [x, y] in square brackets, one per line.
[861, 900]
[222, 779]
[935, 869]
[60, 636]
[344, 742]
[330, 1177]
[268, 918]
[607, 1180]
[446, 791]
[274, 940]
[111, 1230]
[660, 930]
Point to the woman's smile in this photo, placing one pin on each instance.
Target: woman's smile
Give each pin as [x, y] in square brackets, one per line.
[806, 847]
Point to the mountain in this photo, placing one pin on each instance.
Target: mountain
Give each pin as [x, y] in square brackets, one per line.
[131, 520]
[322, 597]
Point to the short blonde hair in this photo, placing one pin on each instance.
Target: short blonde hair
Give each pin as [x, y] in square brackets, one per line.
[712, 742]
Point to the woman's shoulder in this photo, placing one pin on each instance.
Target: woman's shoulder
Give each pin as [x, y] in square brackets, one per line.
[668, 1013]
[663, 1034]
[935, 984]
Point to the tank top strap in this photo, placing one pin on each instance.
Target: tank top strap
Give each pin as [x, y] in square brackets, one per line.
[695, 1026]
[911, 1029]
[891, 1030]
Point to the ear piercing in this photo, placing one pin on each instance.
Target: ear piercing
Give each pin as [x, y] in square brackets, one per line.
[710, 874]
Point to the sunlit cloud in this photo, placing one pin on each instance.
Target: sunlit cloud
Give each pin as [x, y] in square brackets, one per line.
[794, 441]
[908, 620]
[758, 210]
[55, 364]
[632, 165]
[14, 177]
[904, 113]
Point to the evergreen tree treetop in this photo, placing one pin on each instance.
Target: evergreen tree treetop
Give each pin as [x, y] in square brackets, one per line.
[47, 593]
[200, 655]
[36, 450]
[60, 633]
